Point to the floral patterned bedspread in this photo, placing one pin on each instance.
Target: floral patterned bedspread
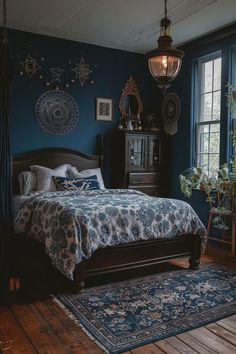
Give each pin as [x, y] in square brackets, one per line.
[74, 224]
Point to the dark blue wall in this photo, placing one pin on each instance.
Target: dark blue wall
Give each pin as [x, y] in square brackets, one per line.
[111, 69]
[179, 145]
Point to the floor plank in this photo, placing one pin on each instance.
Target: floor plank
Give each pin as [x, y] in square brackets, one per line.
[69, 339]
[195, 344]
[147, 349]
[77, 336]
[223, 333]
[37, 328]
[166, 347]
[12, 337]
[229, 323]
[220, 255]
[213, 341]
[181, 346]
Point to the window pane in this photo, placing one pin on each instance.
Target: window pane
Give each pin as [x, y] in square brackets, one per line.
[208, 70]
[204, 138]
[207, 107]
[215, 128]
[204, 161]
[216, 105]
[215, 139]
[214, 142]
[214, 163]
[217, 74]
[199, 159]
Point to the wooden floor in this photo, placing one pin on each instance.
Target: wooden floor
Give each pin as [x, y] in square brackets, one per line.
[40, 326]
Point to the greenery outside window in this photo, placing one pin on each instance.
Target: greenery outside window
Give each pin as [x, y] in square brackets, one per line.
[207, 113]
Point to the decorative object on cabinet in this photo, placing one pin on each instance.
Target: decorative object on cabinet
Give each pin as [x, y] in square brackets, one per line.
[151, 122]
[57, 112]
[129, 124]
[104, 109]
[165, 61]
[121, 124]
[170, 113]
[138, 161]
[130, 103]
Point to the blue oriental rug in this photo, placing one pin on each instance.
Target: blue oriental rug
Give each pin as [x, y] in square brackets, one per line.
[128, 314]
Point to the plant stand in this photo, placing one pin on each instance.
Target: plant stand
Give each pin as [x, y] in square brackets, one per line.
[231, 239]
[226, 211]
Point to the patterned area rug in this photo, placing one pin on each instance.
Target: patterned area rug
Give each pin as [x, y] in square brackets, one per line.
[128, 314]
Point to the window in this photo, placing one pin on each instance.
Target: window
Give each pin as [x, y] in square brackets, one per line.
[208, 113]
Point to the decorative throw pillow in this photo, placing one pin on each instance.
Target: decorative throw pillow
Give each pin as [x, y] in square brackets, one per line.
[72, 172]
[44, 176]
[71, 184]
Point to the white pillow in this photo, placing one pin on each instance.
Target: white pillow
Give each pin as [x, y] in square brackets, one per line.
[74, 173]
[44, 175]
[28, 182]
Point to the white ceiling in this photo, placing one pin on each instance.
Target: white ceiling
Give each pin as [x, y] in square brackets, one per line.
[131, 25]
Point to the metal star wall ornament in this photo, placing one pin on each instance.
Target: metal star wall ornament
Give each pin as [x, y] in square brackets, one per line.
[30, 65]
[82, 71]
[56, 74]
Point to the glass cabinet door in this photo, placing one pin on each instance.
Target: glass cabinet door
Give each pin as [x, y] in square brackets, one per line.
[137, 153]
[154, 153]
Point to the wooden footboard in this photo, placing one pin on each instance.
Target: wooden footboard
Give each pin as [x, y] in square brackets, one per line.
[139, 255]
[30, 258]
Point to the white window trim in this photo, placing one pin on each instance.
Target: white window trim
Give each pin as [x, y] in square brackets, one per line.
[198, 89]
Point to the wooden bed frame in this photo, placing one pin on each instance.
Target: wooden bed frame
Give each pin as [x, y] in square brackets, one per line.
[111, 259]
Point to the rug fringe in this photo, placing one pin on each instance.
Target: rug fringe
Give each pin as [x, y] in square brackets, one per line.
[78, 323]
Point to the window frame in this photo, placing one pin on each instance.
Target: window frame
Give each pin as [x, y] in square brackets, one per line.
[197, 84]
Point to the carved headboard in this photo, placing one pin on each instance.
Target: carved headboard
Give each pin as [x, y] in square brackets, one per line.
[51, 158]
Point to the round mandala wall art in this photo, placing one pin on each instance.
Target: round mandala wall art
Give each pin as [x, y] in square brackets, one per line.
[57, 112]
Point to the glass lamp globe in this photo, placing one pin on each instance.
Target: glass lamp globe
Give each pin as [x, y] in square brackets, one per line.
[165, 61]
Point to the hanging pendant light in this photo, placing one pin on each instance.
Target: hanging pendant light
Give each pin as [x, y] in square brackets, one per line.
[165, 61]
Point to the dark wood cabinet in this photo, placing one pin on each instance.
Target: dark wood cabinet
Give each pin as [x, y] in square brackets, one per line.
[137, 161]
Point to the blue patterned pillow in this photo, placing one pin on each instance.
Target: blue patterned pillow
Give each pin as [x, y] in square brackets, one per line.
[72, 184]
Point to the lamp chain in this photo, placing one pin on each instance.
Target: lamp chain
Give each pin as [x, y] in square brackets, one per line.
[4, 5]
[165, 8]
[165, 15]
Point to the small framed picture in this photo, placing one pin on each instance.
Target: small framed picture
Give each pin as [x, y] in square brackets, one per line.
[104, 109]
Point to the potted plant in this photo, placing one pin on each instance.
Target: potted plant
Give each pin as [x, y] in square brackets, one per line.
[218, 189]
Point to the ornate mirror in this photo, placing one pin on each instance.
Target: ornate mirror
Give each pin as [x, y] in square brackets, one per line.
[130, 103]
